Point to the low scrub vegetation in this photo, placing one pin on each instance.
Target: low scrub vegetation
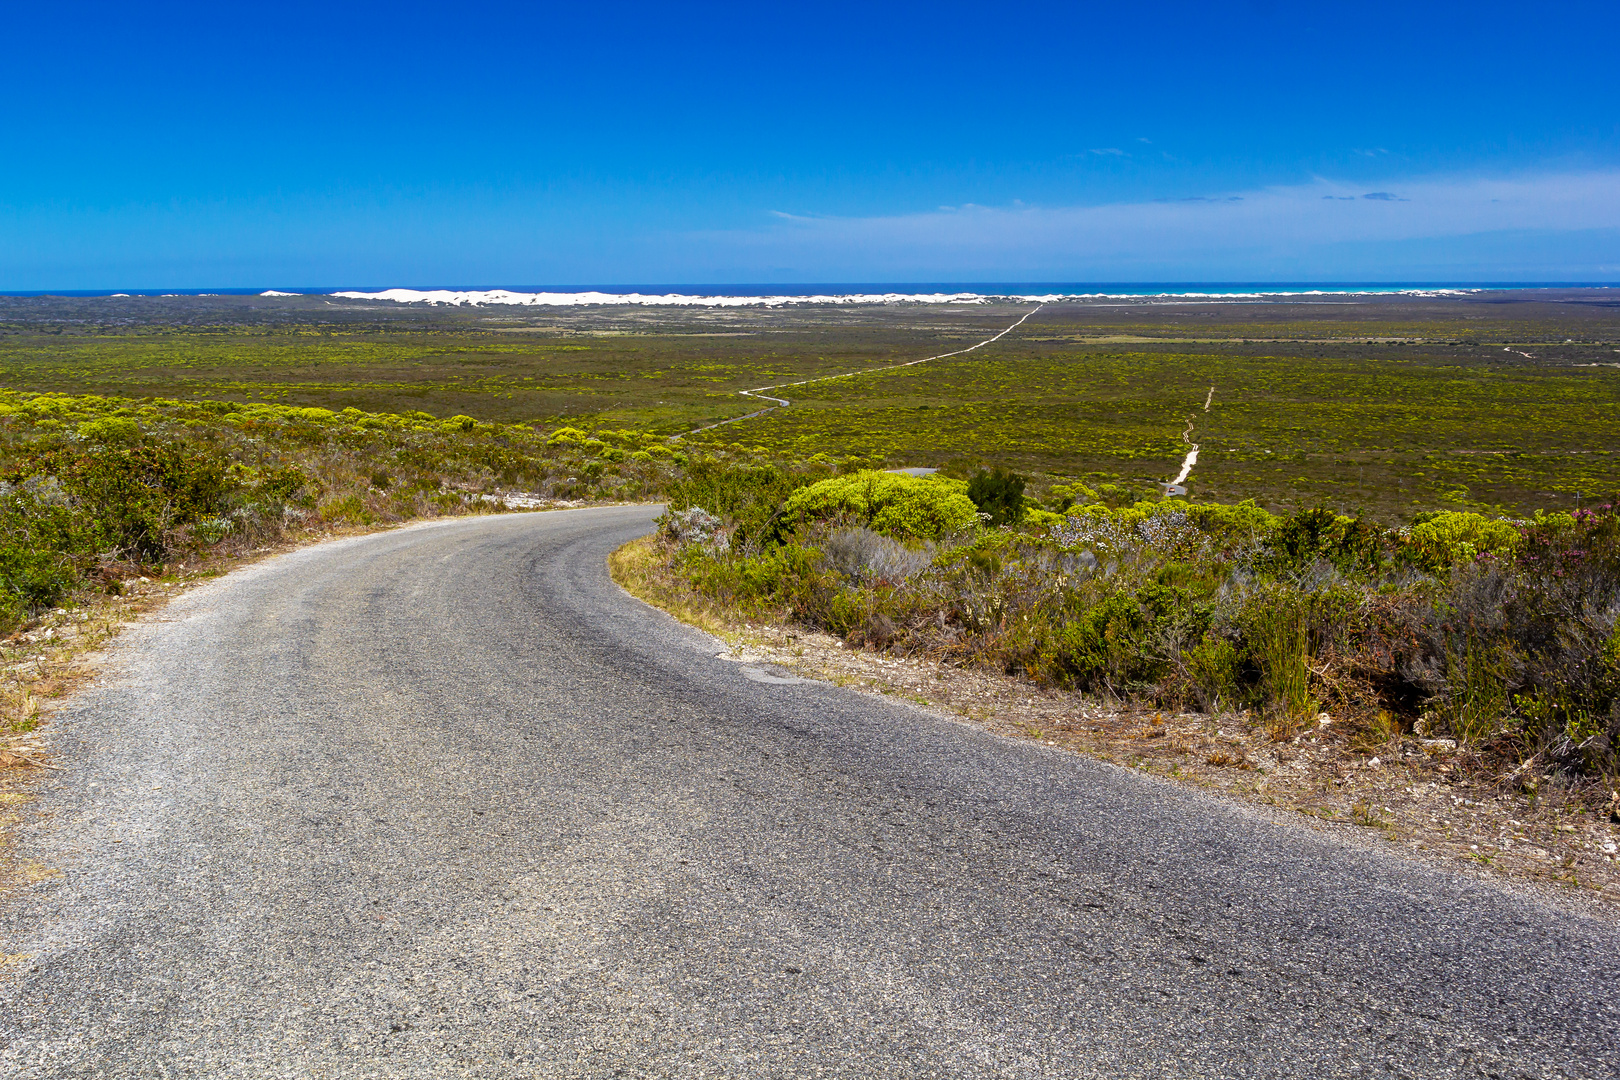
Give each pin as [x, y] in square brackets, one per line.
[1374, 407]
[96, 490]
[1498, 634]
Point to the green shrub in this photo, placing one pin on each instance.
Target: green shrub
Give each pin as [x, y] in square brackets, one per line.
[283, 483]
[750, 497]
[786, 574]
[1298, 541]
[1275, 628]
[31, 579]
[1116, 496]
[1234, 525]
[212, 530]
[1103, 646]
[998, 494]
[110, 429]
[1475, 706]
[1213, 667]
[1060, 497]
[1442, 540]
[1574, 734]
[136, 495]
[566, 436]
[891, 503]
[352, 509]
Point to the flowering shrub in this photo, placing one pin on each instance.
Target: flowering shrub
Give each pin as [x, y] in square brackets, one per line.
[694, 525]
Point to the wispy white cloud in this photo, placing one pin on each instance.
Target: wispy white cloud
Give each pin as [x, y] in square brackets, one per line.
[1240, 232]
[1110, 151]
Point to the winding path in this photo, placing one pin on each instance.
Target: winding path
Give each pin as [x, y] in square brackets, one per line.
[782, 403]
[1174, 487]
[444, 802]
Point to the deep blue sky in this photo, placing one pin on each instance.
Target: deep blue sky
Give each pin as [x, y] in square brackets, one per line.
[190, 145]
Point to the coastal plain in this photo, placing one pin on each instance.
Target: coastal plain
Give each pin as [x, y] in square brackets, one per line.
[1497, 401]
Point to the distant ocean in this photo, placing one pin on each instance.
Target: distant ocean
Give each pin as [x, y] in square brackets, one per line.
[845, 293]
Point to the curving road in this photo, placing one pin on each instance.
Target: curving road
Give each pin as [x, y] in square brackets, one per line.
[444, 802]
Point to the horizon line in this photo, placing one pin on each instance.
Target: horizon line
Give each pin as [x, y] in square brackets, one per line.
[786, 288]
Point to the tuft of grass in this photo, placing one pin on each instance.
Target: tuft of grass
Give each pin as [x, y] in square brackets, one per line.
[642, 569]
[1477, 676]
[1279, 642]
[1366, 814]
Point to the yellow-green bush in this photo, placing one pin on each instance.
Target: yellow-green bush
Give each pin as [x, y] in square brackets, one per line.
[891, 503]
[1060, 497]
[110, 429]
[566, 436]
[1233, 523]
[1447, 538]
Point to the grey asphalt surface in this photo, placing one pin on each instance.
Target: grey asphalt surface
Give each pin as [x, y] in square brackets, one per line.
[445, 802]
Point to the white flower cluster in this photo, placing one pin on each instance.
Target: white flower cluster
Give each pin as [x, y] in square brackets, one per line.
[694, 525]
[44, 489]
[1164, 534]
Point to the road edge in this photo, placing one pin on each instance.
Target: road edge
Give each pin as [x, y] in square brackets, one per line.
[1021, 711]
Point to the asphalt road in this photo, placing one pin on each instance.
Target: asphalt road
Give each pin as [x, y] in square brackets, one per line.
[444, 802]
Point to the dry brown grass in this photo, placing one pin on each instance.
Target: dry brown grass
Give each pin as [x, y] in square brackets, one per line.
[639, 568]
